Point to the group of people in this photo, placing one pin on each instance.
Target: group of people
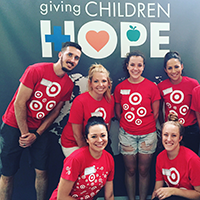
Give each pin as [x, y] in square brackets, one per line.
[137, 103]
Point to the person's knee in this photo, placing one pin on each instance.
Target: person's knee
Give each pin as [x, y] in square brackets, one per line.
[41, 174]
[144, 170]
[131, 171]
[6, 180]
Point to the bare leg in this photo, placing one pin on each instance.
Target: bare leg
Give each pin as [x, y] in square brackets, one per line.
[130, 177]
[144, 165]
[6, 187]
[41, 182]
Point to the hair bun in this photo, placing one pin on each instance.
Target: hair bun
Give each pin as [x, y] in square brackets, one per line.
[173, 117]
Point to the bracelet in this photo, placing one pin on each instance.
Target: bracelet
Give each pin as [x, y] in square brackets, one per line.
[36, 134]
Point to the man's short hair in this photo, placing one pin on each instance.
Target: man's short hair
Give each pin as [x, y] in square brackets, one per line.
[71, 44]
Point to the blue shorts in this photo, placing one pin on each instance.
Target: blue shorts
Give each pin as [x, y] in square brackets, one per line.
[10, 151]
[133, 144]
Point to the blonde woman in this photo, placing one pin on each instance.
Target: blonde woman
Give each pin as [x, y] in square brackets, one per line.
[97, 101]
[177, 167]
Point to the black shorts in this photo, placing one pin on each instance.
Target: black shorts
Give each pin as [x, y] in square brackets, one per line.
[10, 151]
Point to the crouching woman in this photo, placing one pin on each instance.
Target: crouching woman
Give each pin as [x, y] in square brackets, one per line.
[89, 168]
[177, 167]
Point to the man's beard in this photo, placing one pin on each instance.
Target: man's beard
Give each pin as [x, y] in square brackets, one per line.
[63, 68]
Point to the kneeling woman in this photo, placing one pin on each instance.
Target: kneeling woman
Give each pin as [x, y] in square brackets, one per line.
[176, 166]
[89, 168]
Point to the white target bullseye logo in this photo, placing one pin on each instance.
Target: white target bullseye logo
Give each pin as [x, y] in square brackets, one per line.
[173, 112]
[129, 116]
[183, 109]
[174, 177]
[135, 98]
[38, 94]
[168, 105]
[176, 96]
[125, 106]
[91, 177]
[36, 105]
[50, 105]
[141, 112]
[40, 115]
[82, 187]
[182, 121]
[102, 111]
[53, 90]
[138, 122]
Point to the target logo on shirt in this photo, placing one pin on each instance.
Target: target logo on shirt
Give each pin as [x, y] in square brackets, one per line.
[133, 112]
[172, 174]
[176, 104]
[44, 98]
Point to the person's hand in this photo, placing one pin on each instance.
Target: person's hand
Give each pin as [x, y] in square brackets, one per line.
[27, 140]
[164, 192]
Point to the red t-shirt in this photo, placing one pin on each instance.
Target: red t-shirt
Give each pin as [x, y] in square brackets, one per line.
[136, 101]
[88, 173]
[83, 107]
[181, 172]
[178, 98]
[196, 99]
[48, 90]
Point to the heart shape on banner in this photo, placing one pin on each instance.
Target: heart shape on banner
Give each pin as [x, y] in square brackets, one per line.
[97, 39]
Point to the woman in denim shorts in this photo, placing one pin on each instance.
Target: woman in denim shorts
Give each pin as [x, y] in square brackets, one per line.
[137, 107]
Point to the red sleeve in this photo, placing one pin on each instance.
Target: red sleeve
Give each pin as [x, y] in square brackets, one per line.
[71, 169]
[30, 77]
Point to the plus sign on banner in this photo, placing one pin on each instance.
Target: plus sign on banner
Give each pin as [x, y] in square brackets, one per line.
[57, 38]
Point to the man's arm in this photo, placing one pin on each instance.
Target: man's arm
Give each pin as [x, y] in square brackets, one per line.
[27, 138]
[24, 94]
[50, 118]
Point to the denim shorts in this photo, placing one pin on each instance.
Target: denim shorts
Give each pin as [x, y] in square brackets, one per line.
[133, 144]
[10, 151]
